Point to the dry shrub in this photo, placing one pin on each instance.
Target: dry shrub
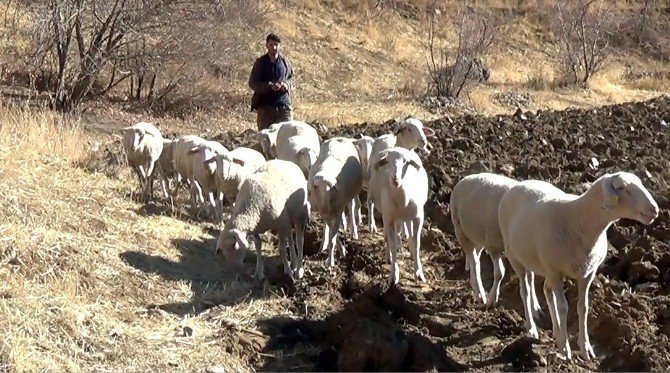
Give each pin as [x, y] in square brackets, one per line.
[29, 135]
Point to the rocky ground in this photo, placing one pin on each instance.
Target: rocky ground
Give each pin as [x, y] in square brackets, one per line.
[351, 320]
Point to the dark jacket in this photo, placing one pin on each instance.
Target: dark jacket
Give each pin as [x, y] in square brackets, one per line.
[265, 71]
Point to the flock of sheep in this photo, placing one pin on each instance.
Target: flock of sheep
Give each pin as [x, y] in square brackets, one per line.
[539, 228]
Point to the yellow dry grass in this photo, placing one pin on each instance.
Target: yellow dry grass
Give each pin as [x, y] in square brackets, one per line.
[89, 282]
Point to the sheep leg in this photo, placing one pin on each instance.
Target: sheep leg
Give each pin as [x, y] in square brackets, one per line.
[334, 227]
[219, 206]
[343, 222]
[536, 304]
[163, 180]
[357, 211]
[292, 251]
[259, 273]
[474, 256]
[551, 303]
[371, 215]
[405, 229]
[149, 187]
[563, 344]
[392, 243]
[196, 192]
[352, 213]
[524, 284]
[283, 247]
[583, 285]
[415, 244]
[326, 233]
[300, 244]
[498, 274]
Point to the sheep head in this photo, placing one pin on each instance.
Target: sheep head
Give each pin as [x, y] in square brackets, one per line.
[231, 247]
[398, 160]
[625, 196]
[413, 134]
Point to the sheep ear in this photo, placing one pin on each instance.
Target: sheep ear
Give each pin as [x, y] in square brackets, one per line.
[414, 163]
[429, 132]
[238, 161]
[209, 160]
[610, 193]
[381, 162]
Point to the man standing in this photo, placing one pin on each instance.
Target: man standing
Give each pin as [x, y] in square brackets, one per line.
[271, 79]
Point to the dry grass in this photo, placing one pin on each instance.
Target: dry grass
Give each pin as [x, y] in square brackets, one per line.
[91, 282]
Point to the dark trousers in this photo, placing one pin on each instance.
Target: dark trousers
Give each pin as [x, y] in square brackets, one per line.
[269, 115]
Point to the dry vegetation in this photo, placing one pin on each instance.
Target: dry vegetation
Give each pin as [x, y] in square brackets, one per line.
[90, 279]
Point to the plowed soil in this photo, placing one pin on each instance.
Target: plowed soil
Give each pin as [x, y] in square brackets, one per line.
[351, 320]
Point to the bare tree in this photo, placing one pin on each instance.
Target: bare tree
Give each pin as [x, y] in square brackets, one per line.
[74, 44]
[584, 28]
[453, 70]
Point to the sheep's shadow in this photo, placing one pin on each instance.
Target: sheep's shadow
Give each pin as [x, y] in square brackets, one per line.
[211, 284]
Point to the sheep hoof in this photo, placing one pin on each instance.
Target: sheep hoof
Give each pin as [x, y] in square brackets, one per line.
[532, 333]
[419, 275]
[259, 275]
[586, 352]
[300, 273]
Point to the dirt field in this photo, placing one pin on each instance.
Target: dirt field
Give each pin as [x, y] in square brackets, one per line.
[92, 279]
[349, 319]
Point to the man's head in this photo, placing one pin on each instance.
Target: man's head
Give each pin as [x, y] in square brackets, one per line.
[272, 44]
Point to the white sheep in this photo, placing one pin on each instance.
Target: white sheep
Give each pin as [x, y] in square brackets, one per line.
[204, 172]
[474, 213]
[267, 138]
[166, 161]
[233, 167]
[184, 166]
[299, 149]
[363, 145]
[410, 134]
[333, 182]
[555, 234]
[280, 132]
[143, 145]
[399, 190]
[274, 197]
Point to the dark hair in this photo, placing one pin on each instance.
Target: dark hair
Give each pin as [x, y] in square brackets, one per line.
[272, 36]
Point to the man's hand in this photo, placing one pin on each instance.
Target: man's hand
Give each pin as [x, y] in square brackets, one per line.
[278, 86]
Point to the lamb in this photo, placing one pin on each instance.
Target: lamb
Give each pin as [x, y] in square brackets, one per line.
[363, 145]
[474, 213]
[233, 167]
[143, 145]
[411, 134]
[399, 190]
[184, 166]
[555, 234]
[204, 172]
[333, 182]
[274, 197]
